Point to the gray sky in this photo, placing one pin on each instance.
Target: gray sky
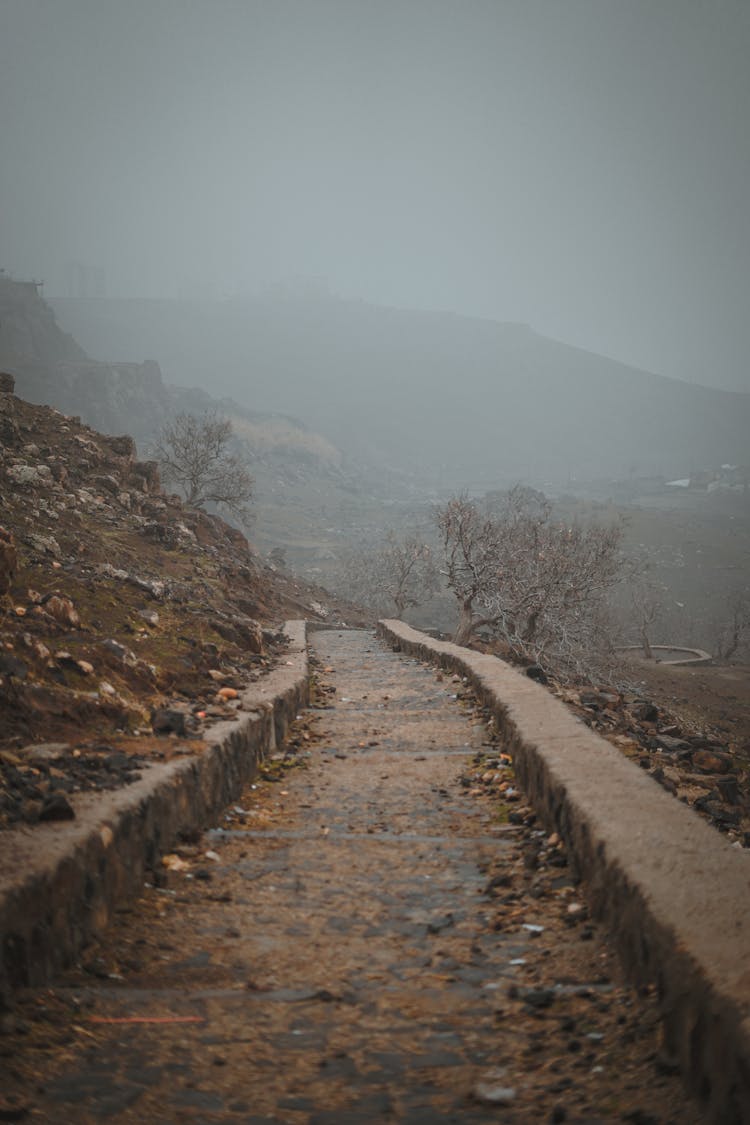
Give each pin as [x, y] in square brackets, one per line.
[582, 165]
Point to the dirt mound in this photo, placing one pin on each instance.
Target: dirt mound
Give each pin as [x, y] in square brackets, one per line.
[127, 618]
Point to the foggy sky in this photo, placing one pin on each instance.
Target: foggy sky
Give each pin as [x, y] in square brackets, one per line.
[580, 165]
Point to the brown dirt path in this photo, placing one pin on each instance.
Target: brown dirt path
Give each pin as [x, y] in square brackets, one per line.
[373, 942]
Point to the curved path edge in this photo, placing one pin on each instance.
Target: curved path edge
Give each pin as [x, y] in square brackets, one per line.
[60, 884]
[673, 893]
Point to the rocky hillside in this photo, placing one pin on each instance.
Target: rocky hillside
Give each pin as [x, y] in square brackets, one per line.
[126, 617]
[50, 367]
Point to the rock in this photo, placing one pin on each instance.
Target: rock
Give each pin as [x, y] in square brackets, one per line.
[164, 533]
[251, 633]
[644, 710]
[722, 815]
[37, 476]
[59, 472]
[226, 693]
[490, 1091]
[729, 789]
[711, 761]
[123, 446]
[41, 753]
[168, 720]
[8, 560]
[63, 611]
[126, 655]
[108, 483]
[7, 383]
[537, 997]
[149, 616]
[536, 672]
[673, 745]
[144, 476]
[591, 699]
[45, 545]
[9, 433]
[109, 571]
[56, 807]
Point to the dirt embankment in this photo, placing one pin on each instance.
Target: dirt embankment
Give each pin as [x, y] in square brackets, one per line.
[128, 620]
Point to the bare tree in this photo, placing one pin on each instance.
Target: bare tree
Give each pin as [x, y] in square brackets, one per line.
[193, 454]
[735, 633]
[647, 608]
[538, 584]
[472, 552]
[400, 573]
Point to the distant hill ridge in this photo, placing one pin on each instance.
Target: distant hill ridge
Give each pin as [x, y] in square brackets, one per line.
[50, 367]
[449, 399]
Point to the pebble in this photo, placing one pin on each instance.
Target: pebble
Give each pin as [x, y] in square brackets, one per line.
[491, 1093]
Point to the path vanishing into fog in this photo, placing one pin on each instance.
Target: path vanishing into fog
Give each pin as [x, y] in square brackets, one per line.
[367, 940]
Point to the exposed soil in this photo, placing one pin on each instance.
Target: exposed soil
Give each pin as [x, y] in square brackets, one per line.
[382, 935]
[713, 696]
[125, 618]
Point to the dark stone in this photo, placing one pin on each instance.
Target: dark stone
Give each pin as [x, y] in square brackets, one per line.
[644, 710]
[536, 672]
[167, 720]
[7, 383]
[538, 997]
[56, 807]
[729, 789]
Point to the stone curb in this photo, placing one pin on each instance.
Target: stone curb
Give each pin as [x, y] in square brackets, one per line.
[673, 893]
[62, 883]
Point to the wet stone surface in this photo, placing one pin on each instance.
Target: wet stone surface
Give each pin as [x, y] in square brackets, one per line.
[380, 934]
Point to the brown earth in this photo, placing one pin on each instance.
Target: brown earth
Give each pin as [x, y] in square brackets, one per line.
[125, 617]
[712, 696]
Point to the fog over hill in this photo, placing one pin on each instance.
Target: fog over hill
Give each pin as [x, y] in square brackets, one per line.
[453, 400]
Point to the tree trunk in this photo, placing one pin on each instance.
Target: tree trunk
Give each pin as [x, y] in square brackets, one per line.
[645, 644]
[465, 629]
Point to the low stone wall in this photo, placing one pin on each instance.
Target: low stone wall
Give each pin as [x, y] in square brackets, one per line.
[60, 884]
[673, 893]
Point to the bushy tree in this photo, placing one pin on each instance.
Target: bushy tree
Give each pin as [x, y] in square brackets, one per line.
[193, 454]
[536, 583]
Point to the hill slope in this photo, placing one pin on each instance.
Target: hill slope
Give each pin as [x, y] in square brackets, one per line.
[293, 465]
[116, 601]
[455, 401]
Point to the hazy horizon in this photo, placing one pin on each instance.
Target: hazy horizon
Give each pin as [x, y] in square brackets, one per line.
[579, 165]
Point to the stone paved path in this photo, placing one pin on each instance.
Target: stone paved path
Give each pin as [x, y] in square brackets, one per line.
[374, 944]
